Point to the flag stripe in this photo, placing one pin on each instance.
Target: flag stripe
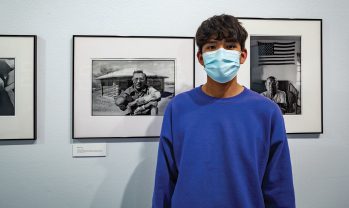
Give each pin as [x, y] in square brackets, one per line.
[284, 43]
[285, 54]
[283, 46]
[274, 63]
[283, 50]
[276, 59]
[279, 56]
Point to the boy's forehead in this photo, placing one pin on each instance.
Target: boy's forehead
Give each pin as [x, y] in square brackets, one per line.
[226, 40]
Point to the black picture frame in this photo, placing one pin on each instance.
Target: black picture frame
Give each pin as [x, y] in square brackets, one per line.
[18, 62]
[104, 64]
[302, 80]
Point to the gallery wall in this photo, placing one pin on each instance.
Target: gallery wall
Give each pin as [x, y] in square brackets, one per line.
[43, 173]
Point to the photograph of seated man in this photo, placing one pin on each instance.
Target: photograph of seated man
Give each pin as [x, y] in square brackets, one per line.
[139, 99]
[273, 93]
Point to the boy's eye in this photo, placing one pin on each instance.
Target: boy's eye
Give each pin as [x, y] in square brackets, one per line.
[210, 47]
[230, 46]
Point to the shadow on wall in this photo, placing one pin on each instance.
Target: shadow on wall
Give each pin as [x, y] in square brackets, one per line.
[139, 189]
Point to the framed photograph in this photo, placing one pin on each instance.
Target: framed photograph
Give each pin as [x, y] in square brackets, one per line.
[17, 87]
[122, 85]
[285, 65]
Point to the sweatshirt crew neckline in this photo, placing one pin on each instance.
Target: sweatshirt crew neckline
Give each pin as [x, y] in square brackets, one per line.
[205, 96]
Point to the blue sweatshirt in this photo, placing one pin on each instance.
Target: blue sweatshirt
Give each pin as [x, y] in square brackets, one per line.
[223, 153]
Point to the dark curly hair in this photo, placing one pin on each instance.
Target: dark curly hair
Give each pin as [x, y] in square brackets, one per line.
[221, 27]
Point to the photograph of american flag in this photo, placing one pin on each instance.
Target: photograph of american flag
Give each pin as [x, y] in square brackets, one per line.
[276, 53]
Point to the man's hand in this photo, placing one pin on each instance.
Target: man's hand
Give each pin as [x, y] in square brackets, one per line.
[139, 110]
[140, 101]
[131, 104]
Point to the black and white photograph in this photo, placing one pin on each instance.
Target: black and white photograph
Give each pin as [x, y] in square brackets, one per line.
[285, 65]
[122, 85]
[131, 87]
[7, 86]
[276, 70]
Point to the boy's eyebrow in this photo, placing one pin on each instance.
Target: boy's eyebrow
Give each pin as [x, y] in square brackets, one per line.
[231, 40]
[212, 41]
[225, 40]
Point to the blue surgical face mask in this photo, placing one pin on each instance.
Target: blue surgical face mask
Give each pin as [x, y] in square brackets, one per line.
[222, 65]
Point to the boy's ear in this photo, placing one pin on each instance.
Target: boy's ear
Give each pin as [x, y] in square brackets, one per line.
[243, 56]
[200, 59]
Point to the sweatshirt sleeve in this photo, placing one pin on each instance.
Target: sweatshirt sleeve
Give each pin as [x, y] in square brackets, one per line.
[277, 183]
[166, 170]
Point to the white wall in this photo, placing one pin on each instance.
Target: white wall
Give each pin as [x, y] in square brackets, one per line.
[43, 173]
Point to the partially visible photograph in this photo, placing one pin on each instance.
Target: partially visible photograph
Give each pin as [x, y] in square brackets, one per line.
[276, 70]
[132, 87]
[7, 86]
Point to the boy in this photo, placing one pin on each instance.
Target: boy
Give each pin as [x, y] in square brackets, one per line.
[221, 144]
